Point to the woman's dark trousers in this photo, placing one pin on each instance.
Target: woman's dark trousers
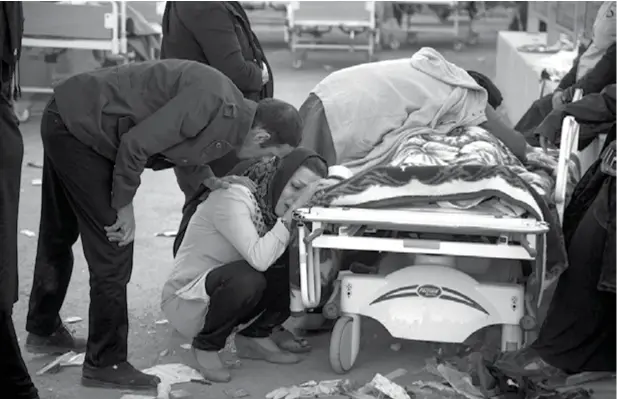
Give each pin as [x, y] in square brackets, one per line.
[76, 200]
[15, 381]
[238, 294]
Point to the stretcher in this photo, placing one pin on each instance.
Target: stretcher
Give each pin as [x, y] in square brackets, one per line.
[61, 38]
[429, 298]
[309, 21]
[447, 20]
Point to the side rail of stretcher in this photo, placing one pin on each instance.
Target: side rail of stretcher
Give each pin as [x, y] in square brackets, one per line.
[517, 236]
[81, 26]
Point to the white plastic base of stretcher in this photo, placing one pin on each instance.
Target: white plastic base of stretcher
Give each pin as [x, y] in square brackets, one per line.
[427, 301]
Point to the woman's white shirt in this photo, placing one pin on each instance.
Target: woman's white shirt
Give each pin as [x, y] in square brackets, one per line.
[222, 231]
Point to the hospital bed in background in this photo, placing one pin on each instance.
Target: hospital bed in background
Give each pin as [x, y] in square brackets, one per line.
[433, 298]
[62, 39]
[308, 22]
[412, 21]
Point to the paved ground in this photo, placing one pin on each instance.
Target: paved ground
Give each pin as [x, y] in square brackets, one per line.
[157, 206]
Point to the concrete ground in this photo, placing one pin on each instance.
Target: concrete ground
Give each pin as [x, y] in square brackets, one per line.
[157, 208]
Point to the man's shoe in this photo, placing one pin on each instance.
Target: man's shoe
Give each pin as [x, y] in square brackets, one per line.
[61, 341]
[263, 349]
[119, 376]
[210, 366]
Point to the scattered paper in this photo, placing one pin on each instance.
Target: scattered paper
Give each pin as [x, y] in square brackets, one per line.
[164, 352]
[163, 390]
[396, 346]
[73, 319]
[169, 233]
[311, 389]
[131, 396]
[461, 382]
[389, 388]
[65, 360]
[37, 182]
[186, 346]
[161, 322]
[174, 373]
[236, 393]
[34, 165]
[27, 233]
[180, 394]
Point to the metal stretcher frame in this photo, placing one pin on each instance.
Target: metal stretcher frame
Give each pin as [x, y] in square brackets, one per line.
[410, 27]
[116, 43]
[518, 237]
[352, 20]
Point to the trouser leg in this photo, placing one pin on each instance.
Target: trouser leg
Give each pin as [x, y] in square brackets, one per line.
[11, 155]
[58, 231]
[15, 381]
[275, 302]
[86, 178]
[14, 377]
[235, 290]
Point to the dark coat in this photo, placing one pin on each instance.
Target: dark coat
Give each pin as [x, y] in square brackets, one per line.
[219, 34]
[154, 114]
[11, 32]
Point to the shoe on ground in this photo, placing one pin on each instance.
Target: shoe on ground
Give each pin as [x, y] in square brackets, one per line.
[118, 376]
[61, 341]
[210, 366]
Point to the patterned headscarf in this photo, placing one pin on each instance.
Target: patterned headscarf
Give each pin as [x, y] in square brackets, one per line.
[271, 176]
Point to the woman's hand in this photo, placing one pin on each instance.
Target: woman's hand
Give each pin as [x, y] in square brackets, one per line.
[558, 100]
[214, 183]
[123, 230]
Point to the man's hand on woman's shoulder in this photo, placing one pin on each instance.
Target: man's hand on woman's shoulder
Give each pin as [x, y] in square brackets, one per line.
[215, 183]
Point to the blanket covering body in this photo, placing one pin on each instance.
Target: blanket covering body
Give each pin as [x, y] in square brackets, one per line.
[406, 97]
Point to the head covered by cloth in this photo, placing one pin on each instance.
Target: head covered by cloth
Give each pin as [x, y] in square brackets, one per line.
[271, 176]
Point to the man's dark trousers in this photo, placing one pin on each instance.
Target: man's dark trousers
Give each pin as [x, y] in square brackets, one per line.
[76, 200]
[14, 378]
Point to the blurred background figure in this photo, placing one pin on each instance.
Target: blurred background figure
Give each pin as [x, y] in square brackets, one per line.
[219, 34]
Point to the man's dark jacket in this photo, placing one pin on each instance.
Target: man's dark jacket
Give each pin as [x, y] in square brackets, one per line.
[219, 34]
[154, 114]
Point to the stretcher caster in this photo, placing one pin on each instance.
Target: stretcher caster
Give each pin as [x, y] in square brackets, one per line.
[345, 343]
[528, 323]
[299, 59]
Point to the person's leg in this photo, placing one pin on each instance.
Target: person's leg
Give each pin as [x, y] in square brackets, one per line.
[255, 340]
[235, 290]
[14, 378]
[58, 231]
[86, 178]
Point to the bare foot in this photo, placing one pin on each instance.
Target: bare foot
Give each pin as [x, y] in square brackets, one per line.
[263, 349]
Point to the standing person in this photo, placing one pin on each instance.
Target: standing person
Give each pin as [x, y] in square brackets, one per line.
[14, 378]
[219, 34]
[154, 114]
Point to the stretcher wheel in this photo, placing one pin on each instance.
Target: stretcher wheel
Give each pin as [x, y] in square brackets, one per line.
[473, 38]
[528, 323]
[342, 353]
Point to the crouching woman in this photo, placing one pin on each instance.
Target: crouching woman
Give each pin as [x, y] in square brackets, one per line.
[229, 272]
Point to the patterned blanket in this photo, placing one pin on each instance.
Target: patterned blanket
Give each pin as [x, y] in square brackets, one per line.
[467, 168]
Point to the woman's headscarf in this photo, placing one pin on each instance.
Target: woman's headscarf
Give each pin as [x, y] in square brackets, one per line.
[271, 176]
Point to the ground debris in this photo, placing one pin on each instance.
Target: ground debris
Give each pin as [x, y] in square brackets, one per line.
[37, 182]
[65, 360]
[27, 233]
[236, 393]
[169, 233]
[35, 165]
[73, 319]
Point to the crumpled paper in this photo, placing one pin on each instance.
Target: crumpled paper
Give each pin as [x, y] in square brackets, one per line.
[310, 389]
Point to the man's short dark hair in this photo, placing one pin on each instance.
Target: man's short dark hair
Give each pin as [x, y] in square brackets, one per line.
[282, 120]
